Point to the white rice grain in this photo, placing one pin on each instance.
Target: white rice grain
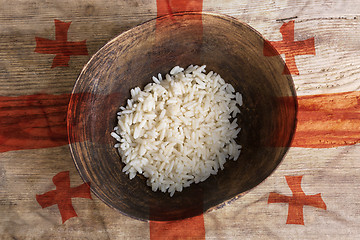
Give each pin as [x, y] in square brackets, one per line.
[180, 129]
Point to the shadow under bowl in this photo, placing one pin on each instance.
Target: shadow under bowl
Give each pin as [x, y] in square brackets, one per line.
[228, 47]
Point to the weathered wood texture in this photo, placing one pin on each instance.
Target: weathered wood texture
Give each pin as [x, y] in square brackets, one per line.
[334, 172]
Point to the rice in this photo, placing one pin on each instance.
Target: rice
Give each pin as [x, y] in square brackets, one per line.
[180, 129]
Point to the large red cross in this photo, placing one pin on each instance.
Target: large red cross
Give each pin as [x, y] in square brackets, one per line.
[167, 7]
[297, 200]
[191, 228]
[290, 47]
[63, 194]
[60, 46]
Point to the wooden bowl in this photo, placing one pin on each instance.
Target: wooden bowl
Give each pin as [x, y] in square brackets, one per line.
[228, 47]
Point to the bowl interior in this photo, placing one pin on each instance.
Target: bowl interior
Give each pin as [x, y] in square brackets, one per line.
[226, 46]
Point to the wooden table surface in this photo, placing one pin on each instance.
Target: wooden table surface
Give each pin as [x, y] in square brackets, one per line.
[315, 192]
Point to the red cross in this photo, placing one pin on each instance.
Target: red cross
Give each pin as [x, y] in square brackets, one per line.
[165, 7]
[168, 7]
[190, 228]
[289, 47]
[63, 194]
[297, 200]
[60, 46]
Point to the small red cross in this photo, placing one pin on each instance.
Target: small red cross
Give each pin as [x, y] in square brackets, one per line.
[63, 194]
[60, 46]
[297, 200]
[290, 47]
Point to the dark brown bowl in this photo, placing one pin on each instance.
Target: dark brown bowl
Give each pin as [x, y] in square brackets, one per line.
[228, 47]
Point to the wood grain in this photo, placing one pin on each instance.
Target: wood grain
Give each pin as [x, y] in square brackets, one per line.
[332, 172]
[25, 72]
[26, 173]
[101, 22]
[33, 121]
[328, 120]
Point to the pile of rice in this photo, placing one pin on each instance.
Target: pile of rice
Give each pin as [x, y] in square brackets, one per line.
[179, 130]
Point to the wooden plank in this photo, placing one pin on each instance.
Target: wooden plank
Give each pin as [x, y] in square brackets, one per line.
[318, 74]
[332, 172]
[24, 174]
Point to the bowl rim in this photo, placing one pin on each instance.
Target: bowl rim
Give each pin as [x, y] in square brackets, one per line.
[221, 16]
